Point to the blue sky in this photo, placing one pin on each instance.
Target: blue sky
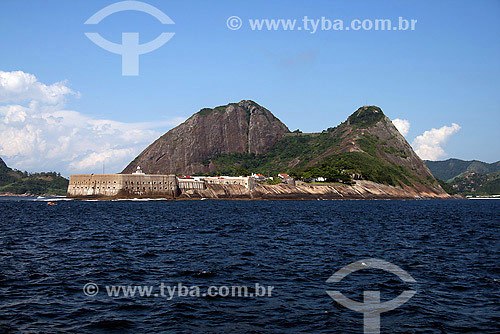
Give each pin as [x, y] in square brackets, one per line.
[444, 72]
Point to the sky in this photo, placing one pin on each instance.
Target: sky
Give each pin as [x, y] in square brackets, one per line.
[65, 105]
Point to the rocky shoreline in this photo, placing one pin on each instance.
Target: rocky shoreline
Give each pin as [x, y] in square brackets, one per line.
[15, 195]
[362, 190]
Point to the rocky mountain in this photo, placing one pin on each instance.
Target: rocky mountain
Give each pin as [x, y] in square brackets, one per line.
[243, 137]
[243, 127]
[366, 146]
[448, 169]
[3, 165]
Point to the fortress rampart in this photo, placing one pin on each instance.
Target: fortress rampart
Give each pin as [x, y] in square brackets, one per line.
[139, 185]
[123, 185]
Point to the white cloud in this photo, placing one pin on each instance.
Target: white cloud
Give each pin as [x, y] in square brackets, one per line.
[42, 136]
[18, 87]
[429, 145]
[402, 125]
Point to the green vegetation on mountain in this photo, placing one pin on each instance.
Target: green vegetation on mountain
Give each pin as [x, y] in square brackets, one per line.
[244, 137]
[18, 183]
[471, 184]
[300, 147]
[367, 145]
[366, 117]
[447, 187]
[468, 178]
[448, 169]
[349, 163]
[490, 187]
[336, 167]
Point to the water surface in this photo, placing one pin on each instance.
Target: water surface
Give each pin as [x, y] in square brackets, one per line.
[48, 253]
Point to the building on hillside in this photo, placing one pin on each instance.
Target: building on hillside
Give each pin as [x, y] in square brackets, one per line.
[189, 182]
[245, 181]
[138, 171]
[285, 178]
[258, 177]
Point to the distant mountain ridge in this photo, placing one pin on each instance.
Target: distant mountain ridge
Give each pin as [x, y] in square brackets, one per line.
[19, 183]
[244, 137]
[468, 177]
[448, 169]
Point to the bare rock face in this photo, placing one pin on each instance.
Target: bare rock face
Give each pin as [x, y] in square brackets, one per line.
[361, 190]
[243, 127]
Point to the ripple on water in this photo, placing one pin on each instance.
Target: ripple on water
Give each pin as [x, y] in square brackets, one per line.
[47, 254]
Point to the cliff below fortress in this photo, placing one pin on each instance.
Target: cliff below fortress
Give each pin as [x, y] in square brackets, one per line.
[361, 190]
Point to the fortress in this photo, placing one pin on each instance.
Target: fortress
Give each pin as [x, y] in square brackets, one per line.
[140, 185]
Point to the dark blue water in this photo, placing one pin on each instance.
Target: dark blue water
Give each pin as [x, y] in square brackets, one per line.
[47, 254]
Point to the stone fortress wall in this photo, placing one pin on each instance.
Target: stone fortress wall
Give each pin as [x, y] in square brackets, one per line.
[145, 185]
[123, 185]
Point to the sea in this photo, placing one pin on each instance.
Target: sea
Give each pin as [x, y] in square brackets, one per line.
[230, 266]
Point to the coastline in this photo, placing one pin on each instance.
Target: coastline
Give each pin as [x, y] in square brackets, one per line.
[16, 195]
[362, 190]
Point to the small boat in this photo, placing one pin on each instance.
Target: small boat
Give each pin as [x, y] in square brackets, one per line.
[51, 203]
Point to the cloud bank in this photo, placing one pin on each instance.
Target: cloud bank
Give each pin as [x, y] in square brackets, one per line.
[429, 145]
[18, 87]
[37, 133]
